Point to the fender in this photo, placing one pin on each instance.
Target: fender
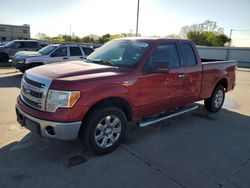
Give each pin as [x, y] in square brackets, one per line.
[104, 92]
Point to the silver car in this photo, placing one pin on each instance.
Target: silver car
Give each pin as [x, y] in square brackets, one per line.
[50, 54]
[8, 50]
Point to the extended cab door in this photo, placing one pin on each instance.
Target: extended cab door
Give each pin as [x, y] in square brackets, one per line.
[193, 71]
[162, 85]
[59, 55]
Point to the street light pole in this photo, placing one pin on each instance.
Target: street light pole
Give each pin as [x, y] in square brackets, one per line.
[137, 19]
[230, 37]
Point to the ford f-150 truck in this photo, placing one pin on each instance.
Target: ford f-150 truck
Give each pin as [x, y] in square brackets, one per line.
[145, 80]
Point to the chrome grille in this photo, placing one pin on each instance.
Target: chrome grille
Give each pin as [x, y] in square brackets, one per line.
[34, 89]
[34, 83]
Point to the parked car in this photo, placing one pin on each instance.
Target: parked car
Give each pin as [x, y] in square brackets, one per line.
[50, 54]
[145, 80]
[9, 50]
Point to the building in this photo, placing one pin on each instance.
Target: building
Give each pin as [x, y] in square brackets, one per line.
[12, 32]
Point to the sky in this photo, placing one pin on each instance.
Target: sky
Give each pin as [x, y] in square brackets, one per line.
[156, 17]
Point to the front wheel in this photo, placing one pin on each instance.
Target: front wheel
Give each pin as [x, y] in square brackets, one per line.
[4, 58]
[104, 130]
[215, 102]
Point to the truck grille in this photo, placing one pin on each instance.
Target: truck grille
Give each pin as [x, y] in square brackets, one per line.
[34, 90]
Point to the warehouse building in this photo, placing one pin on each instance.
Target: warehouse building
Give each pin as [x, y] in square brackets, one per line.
[12, 32]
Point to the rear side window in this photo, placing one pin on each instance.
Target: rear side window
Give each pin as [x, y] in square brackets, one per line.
[188, 55]
[75, 51]
[87, 51]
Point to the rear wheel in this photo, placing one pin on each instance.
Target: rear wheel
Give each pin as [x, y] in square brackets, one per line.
[104, 129]
[215, 102]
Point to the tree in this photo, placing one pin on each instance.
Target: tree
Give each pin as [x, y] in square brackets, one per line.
[208, 38]
[104, 38]
[42, 36]
[209, 26]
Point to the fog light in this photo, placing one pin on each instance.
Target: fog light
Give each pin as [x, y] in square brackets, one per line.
[50, 130]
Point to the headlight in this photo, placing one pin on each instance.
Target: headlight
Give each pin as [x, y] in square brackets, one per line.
[21, 60]
[63, 99]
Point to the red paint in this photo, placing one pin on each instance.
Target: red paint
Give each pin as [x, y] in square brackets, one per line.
[149, 95]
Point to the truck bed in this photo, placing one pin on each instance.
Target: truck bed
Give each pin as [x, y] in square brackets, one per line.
[214, 70]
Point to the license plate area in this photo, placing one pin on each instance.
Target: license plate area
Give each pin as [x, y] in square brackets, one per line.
[20, 119]
[33, 126]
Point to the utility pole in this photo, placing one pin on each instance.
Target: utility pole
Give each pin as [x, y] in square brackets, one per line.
[70, 29]
[230, 37]
[137, 19]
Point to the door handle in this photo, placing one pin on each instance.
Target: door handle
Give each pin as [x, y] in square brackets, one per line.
[81, 57]
[181, 76]
[65, 58]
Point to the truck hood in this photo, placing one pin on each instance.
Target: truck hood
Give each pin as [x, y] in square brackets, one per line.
[25, 54]
[76, 70]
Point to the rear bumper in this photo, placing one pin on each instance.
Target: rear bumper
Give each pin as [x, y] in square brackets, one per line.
[49, 129]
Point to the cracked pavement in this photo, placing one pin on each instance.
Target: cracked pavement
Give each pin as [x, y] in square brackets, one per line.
[197, 149]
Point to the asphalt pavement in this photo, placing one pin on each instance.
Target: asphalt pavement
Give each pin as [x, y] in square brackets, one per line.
[195, 150]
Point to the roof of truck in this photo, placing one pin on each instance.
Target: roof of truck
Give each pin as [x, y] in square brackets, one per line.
[156, 39]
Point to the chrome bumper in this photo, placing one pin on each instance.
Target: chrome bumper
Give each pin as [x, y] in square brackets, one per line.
[49, 129]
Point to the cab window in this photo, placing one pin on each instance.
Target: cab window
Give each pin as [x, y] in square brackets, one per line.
[164, 55]
[189, 58]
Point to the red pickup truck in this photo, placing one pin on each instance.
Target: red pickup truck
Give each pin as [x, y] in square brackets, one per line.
[146, 80]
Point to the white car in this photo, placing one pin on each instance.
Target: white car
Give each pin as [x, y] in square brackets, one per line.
[24, 60]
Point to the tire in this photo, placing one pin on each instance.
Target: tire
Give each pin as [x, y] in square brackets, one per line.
[104, 129]
[22, 70]
[215, 102]
[4, 58]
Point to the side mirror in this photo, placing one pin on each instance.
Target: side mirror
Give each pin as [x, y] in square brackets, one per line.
[159, 67]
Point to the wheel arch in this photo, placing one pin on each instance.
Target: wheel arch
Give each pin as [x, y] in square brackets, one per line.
[223, 82]
[113, 101]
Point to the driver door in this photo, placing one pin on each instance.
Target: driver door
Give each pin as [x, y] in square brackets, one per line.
[162, 84]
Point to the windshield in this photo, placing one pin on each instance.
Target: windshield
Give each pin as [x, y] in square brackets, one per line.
[9, 44]
[120, 53]
[46, 50]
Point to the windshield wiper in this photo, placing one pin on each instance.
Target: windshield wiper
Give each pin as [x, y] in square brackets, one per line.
[100, 61]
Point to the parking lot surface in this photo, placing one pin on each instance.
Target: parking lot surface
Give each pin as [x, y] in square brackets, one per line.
[195, 150]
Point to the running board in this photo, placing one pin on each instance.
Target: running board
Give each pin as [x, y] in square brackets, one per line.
[150, 121]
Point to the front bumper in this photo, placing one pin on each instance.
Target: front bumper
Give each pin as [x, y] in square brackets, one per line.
[18, 65]
[49, 129]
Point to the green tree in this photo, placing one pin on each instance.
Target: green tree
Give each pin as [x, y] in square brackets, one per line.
[206, 26]
[207, 38]
[104, 38]
[88, 39]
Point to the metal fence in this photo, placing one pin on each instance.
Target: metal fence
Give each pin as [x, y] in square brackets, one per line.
[241, 54]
